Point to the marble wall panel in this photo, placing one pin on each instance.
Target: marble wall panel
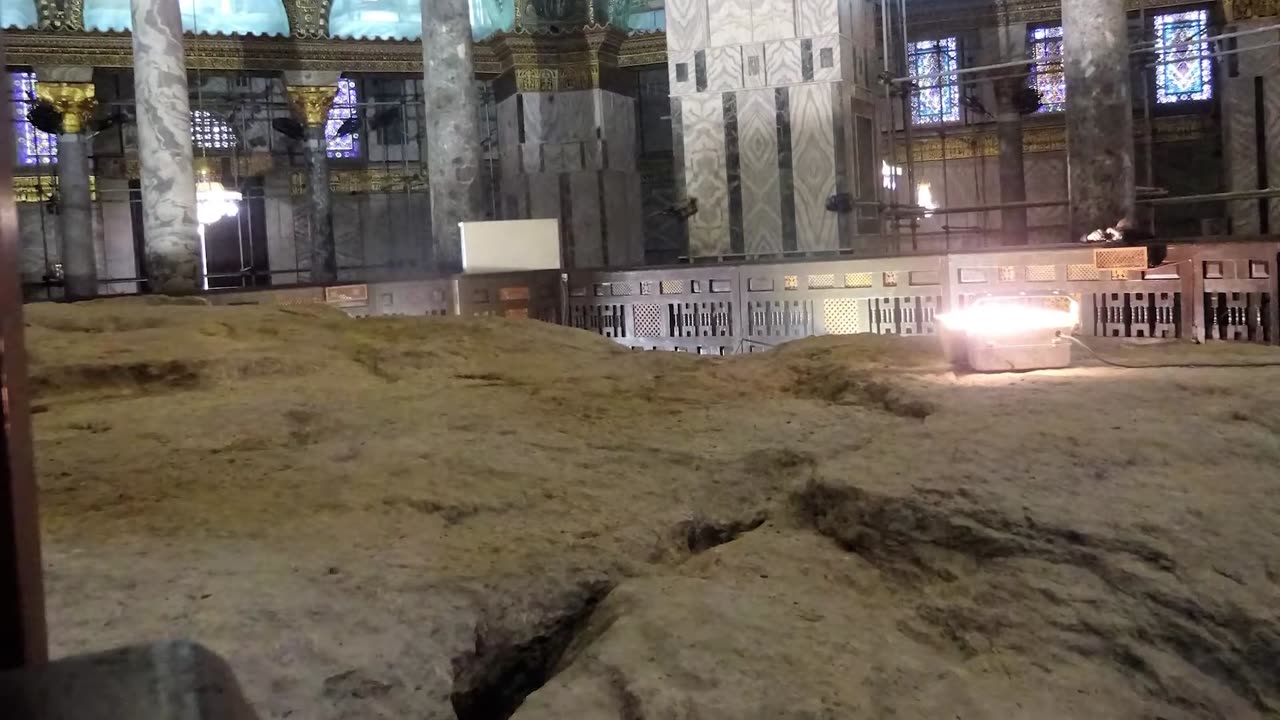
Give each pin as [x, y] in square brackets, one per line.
[703, 123]
[782, 63]
[816, 17]
[758, 159]
[583, 207]
[724, 69]
[687, 26]
[680, 72]
[813, 158]
[772, 19]
[729, 21]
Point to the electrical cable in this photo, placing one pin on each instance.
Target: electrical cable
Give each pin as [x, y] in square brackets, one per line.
[1192, 366]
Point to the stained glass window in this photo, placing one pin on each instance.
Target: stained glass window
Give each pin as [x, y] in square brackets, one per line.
[344, 108]
[34, 147]
[1047, 75]
[1184, 70]
[936, 98]
[211, 132]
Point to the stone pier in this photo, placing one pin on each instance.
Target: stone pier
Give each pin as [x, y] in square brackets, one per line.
[1100, 173]
[453, 134]
[567, 144]
[70, 90]
[772, 109]
[164, 148]
[311, 96]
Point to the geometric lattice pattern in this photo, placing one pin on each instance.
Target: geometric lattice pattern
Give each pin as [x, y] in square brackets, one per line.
[840, 315]
[1041, 273]
[648, 320]
[1128, 258]
[857, 280]
[822, 282]
[210, 131]
[622, 289]
[671, 287]
[1082, 272]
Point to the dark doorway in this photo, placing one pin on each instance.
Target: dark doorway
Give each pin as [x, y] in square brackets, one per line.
[236, 247]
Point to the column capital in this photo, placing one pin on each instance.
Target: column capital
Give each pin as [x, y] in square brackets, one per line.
[75, 101]
[546, 62]
[311, 103]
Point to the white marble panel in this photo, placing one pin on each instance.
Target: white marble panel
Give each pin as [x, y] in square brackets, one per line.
[704, 162]
[729, 21]
[813, 164]
[680, 64]
[773, 20]
[724, 69]
[816, 17]
[686, 25]
[758, 163]
[782, 63]
[830, 70]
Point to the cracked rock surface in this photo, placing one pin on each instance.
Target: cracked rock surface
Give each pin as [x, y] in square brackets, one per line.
[484, 519]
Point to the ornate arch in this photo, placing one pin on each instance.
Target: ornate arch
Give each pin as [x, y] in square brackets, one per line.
[61, 14]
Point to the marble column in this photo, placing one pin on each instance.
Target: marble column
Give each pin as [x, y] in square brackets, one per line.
[71, 92]
[453, 133]
[164, 148]
[311, 105]
[1013, 182]
[1100, 174]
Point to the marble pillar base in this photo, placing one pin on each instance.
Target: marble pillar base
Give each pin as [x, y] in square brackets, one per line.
[571, 155]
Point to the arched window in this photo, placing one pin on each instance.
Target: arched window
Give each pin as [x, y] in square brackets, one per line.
[213, 17]
[402, 19]
[211, 132]
[18, 14]
[344, 108]
[34, 147]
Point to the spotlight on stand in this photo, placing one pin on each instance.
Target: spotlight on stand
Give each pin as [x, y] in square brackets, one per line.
[1011, 333]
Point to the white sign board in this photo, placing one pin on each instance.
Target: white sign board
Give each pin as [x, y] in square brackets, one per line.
[510, 246]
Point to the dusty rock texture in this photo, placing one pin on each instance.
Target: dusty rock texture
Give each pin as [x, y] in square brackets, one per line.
[475, 519]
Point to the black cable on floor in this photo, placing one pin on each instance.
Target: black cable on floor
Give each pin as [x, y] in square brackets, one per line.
[1193, 366]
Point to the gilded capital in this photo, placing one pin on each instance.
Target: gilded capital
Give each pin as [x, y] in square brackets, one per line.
[76, 102]
[311, 103]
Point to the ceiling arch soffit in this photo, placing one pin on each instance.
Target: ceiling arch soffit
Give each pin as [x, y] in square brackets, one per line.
[307, 18]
